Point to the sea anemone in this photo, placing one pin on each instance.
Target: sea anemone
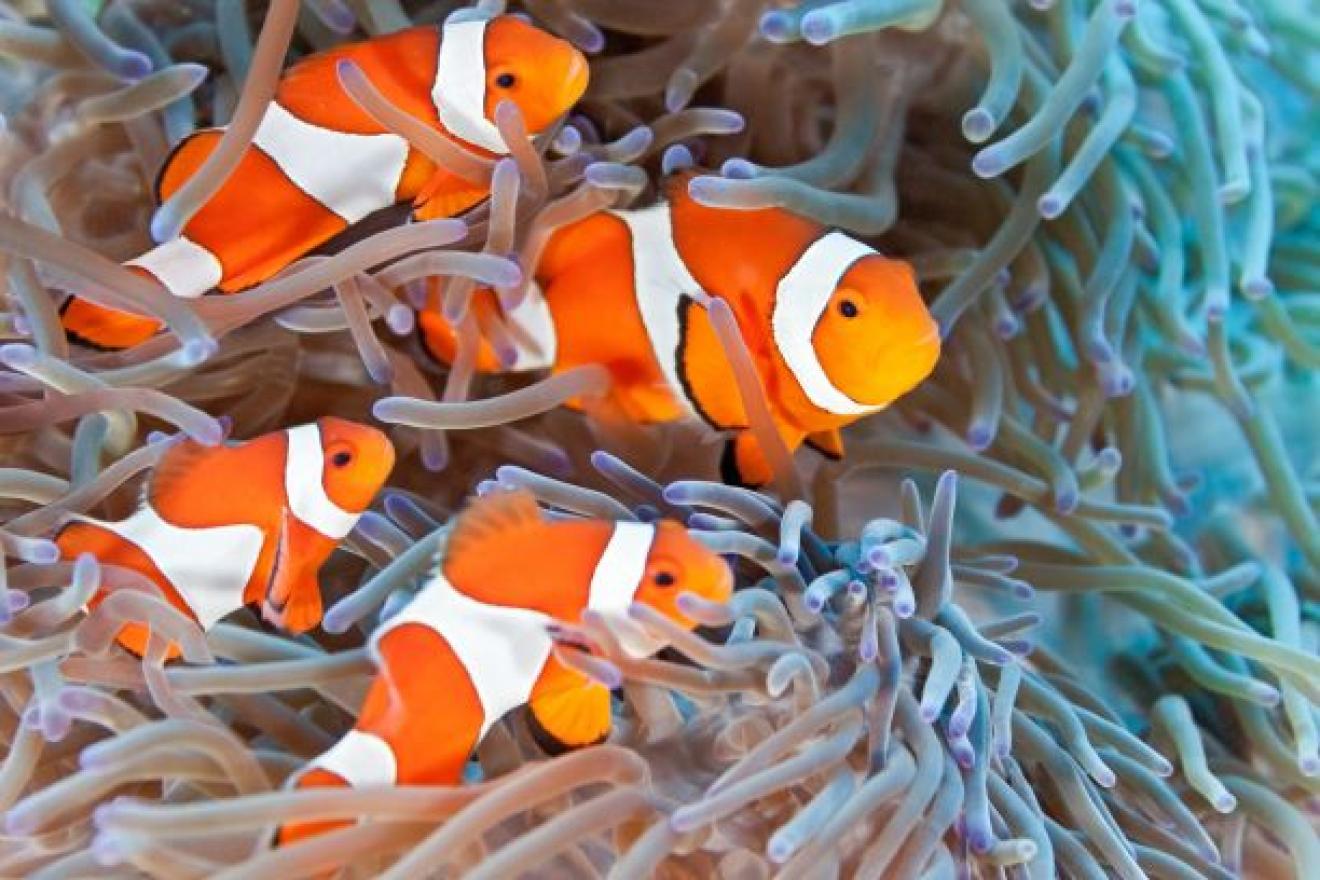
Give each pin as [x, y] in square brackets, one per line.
[1054, 613]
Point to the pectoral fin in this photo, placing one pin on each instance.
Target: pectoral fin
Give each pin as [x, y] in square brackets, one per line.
[827, 443]
[743, 462]
[572, 713]
[293, 594]
[446, 195]
[96, 326]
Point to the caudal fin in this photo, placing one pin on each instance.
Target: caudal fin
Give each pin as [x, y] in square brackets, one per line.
[182, 267]
[314, 777]
[92, 325]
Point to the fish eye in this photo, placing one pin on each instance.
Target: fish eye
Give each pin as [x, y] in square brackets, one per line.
[506, 80]
[342, 458]
[848, 308]
[663, 579]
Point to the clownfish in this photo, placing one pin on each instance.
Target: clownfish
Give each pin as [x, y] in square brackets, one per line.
[475, 642]
[220, 527]
[836, 330]
[319, 163]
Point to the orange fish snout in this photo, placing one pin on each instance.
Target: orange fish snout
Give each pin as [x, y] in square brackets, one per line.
[875, 338]
[679, 564]
[539, 72]
[357, 461]
[99, 327]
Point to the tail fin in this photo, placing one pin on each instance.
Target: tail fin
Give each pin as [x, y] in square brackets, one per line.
[313, 777]
[107, 329]
[181, 266]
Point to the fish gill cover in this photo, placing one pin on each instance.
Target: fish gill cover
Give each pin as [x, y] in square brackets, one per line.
[1053, 614]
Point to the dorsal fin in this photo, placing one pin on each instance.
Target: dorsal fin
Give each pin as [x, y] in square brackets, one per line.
[674, 188]
[729, 250]
[172, 468]
[490, 520]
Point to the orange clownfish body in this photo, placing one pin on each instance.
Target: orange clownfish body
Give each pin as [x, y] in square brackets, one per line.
[320, 163]
[250, 523]
[836, 330]
[474, 643]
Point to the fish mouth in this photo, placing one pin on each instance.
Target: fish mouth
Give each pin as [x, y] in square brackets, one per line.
[926, 345]
[576, 79]
[723, 588]
[903, 367]
[931, 336]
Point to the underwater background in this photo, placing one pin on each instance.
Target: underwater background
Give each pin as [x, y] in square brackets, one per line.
[1054, 614]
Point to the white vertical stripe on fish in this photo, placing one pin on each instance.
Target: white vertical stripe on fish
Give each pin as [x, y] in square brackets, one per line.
[661, 280]
[304, 486]
[800, 299]
[315, 159]
[503, 648]
[208, 567]
[614, 584]
[360, 758]
[459, 91]
[187, 269]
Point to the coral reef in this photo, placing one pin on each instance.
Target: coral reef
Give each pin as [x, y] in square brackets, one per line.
[1053, 615]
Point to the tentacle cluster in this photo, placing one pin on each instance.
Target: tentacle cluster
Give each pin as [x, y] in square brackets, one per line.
[1053, 614]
